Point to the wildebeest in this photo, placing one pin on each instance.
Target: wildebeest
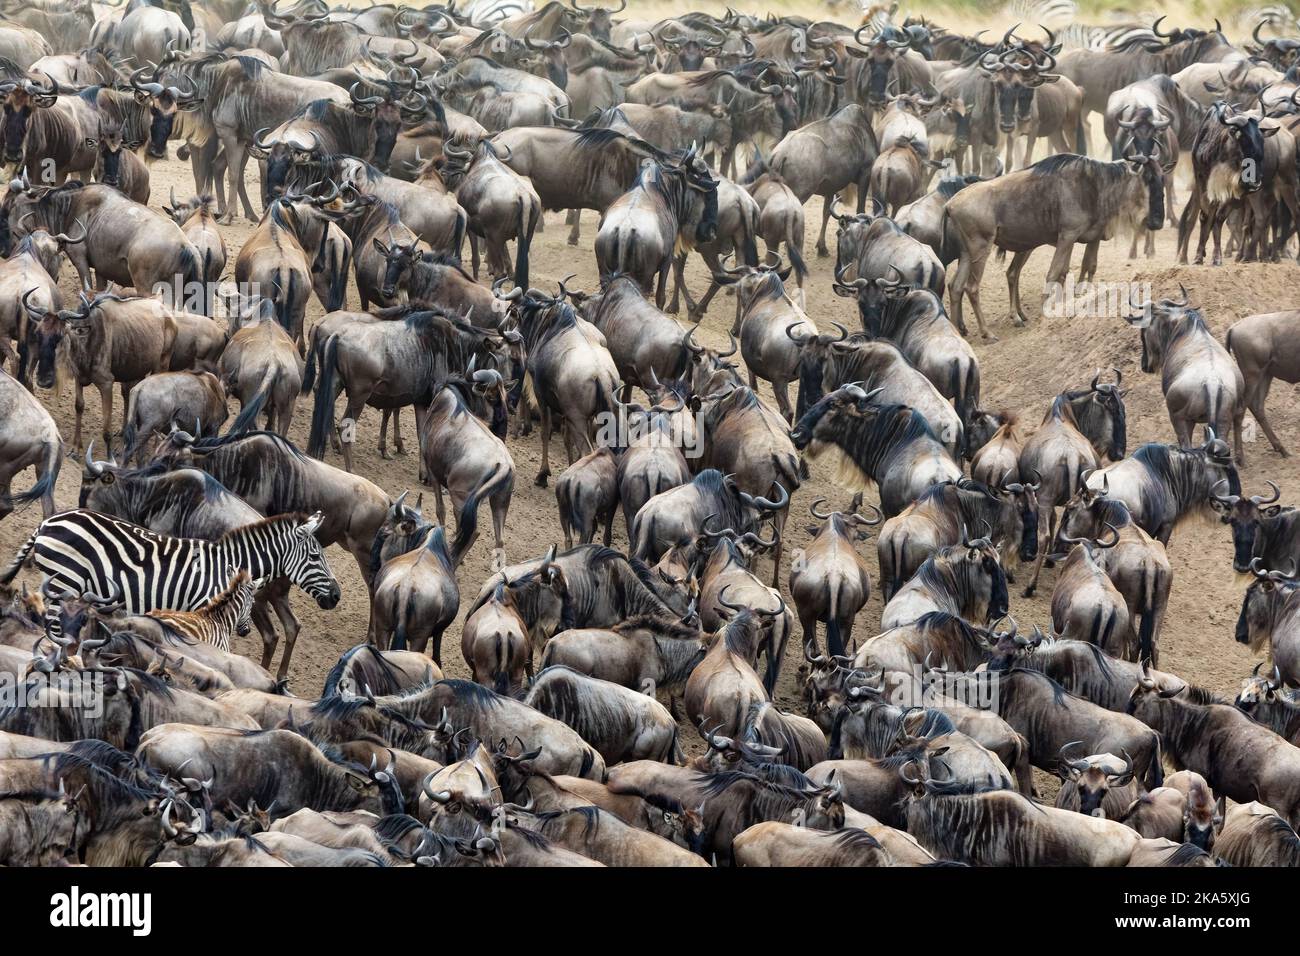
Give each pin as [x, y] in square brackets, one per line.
[261, 366]
[891, 446]
[29, 439]
[1059, 201]
[831, 583]
[1258, 343]
[673, 204]
[1270, 612]
[587, 494]
[1238, 758]
[167, 397]
[1201, 382]
[1257, 835]
[965, 579]
[1086, 605]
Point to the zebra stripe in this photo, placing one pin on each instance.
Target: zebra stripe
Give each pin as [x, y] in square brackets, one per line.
[85, 551]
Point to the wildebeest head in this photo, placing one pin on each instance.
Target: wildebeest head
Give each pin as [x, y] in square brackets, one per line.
[163, 102]
[1244, 515]
[46, 331]
[109, 145]
[23, 98]
[815, 352]
[1099, 411]
[1145, 129]
[1094, 777]
[1257, 689]
[598, 21]
[1280, 52]
[400, 102]
[1023, 497]
[881, 55]
[1266, 596]
[549, 56]
[691, 46]
[1249, 133]
[697, 178]
[1015, 76]
[398, 258]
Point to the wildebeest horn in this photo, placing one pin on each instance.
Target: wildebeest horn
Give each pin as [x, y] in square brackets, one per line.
[1228, 500]
[767, 504]
[1260, 499]
[812, 508]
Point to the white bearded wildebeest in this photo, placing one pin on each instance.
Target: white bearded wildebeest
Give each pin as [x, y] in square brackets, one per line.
[780, 222]
[891, 446]
[501, 205]
[415, 595]
[831, 583]
[674, 204]
[1260, 344]
[467, 455]
[126, 243]
[1270, 612]
[28, 438]
[1059, 201]
[1100, 785]
[825, 158]
[166, 397]
[745, 439]
[570, 373]
[1163, 485]
[1137, 565]
[110, 340]
[766, 322]
[494, 642]
[197, 222]
[261, 366]
[647, 346]
[1051, 719]
[1238, 758]
[826, 362]
[899, 175]
[622, 724]
[575, 169]
[645, 653]
[1256, 835]
[1080, 426]
[1086, 605]
[1271, 704]
[1201, 382]
[940, 516]
[389, 365]
[587, 494]
[31, 269]
[964, 579]
[881, 256]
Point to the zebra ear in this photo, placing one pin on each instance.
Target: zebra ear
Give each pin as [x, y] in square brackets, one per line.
[311, 524]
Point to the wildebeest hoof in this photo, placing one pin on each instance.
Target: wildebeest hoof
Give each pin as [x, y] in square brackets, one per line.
[823, 252]
[989, 336]
[573, 240]
[540, 480]
[1029, 591]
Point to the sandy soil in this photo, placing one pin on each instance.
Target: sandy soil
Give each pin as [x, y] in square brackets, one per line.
[1021, 372]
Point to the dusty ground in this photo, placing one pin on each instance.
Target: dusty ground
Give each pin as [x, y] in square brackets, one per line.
[1021, 372]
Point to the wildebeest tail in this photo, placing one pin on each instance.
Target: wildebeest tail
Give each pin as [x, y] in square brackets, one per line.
[748, 244]
[44, 485]
[191, 271]
[1145, 607]
[322, 413]
[834, 639]
[467, 519]
[338, 287]
[792, 244]
[248, 414]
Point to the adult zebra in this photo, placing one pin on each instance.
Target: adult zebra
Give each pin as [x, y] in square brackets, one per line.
[84, 551]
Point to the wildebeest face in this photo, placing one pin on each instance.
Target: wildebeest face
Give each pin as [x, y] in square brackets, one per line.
[1094, 777]
[398, 259]
[1024, 500]
[17, 116]
[1249, 136]
[44, 338]
[388, 124]
[1264, 597]
[1255, 690]
[823, 419]
[1244, 516]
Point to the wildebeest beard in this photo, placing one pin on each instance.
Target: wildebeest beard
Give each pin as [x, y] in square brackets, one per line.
[15, 132]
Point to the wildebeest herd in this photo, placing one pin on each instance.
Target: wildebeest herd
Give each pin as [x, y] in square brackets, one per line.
[630, 705]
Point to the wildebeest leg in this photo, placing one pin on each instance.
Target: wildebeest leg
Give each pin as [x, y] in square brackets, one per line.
[1088, 269]
[106, 408]
[1043, 547]
[356, 405]
[1182, 429]
[1221, 214]
[545, 471]
[79, 408]
[661, 287]
[778, 522]
[237, 159]
[782, 392]
[679, 286]
[473, 254]
[279, 597]
[1255, 399]
[1060, 260]
[574, 219]
[822, 251]
[439, 508]
[500, 503]
[265, 629]
[1013, 286]
[383, 435]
